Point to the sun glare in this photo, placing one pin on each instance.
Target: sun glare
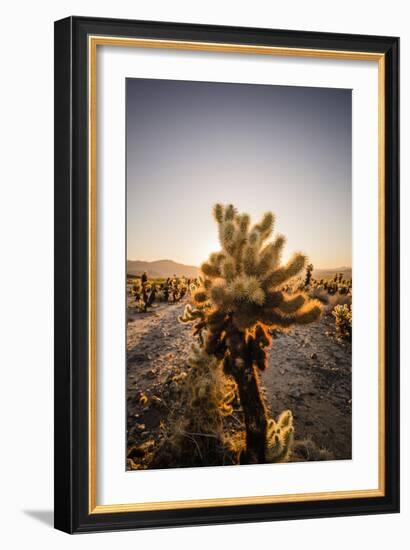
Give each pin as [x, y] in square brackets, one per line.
[208, 245]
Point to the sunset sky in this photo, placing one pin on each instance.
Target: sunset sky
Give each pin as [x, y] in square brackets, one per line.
[259, 147]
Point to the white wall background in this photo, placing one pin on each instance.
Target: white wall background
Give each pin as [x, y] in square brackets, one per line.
[26, 252]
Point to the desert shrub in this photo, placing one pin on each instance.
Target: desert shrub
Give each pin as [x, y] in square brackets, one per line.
[239, 301]
[319, 293]
[196, 437]
[330, 299]
[308, 450]
[338, 300]
[343, 321]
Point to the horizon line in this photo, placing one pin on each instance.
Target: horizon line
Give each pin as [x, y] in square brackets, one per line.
[197, 267]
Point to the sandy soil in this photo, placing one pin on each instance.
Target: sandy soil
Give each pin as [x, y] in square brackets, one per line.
[309, 373]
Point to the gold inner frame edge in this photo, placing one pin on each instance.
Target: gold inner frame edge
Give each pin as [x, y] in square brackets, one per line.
[93, 42]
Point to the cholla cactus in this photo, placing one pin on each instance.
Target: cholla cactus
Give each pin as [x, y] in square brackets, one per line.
[177, 289]
[173, 290]
[240, 300]
[343, 321]
[144, 295]
[280, 438]
[308, 276]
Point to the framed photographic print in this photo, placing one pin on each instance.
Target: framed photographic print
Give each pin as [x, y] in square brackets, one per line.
[226, 274]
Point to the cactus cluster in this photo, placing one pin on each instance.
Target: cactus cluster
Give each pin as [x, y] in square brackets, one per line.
[336, 296]
[171, 290]
[338, 278]
[330, 287]
[239, 301]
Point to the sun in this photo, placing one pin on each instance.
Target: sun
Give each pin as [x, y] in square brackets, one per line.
[205, 247]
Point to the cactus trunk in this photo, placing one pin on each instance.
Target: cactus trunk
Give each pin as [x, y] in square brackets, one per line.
[240, 365]
[254, 412]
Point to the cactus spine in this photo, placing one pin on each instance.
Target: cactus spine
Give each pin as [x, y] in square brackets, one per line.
[240, 300]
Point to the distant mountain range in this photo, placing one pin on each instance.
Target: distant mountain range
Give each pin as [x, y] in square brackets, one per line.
[161, 268]
[330, 273]
[169, 268]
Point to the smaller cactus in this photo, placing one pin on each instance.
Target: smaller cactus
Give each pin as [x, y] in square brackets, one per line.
[308, 276]
[343, 321]
[144, 294]
[279, 438]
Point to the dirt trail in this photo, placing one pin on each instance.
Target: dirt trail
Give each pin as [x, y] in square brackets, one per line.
[309, 373]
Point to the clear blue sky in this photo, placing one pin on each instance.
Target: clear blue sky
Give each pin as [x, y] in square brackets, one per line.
[278, 148]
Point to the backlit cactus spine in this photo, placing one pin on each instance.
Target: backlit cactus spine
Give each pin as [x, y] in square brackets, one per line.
[240, 299]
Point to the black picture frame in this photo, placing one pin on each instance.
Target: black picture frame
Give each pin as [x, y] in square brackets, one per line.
[71, 491]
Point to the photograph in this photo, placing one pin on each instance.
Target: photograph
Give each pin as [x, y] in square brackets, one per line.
[219, 192]
[238, 274]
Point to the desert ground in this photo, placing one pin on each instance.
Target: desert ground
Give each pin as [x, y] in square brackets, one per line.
[309, 373]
